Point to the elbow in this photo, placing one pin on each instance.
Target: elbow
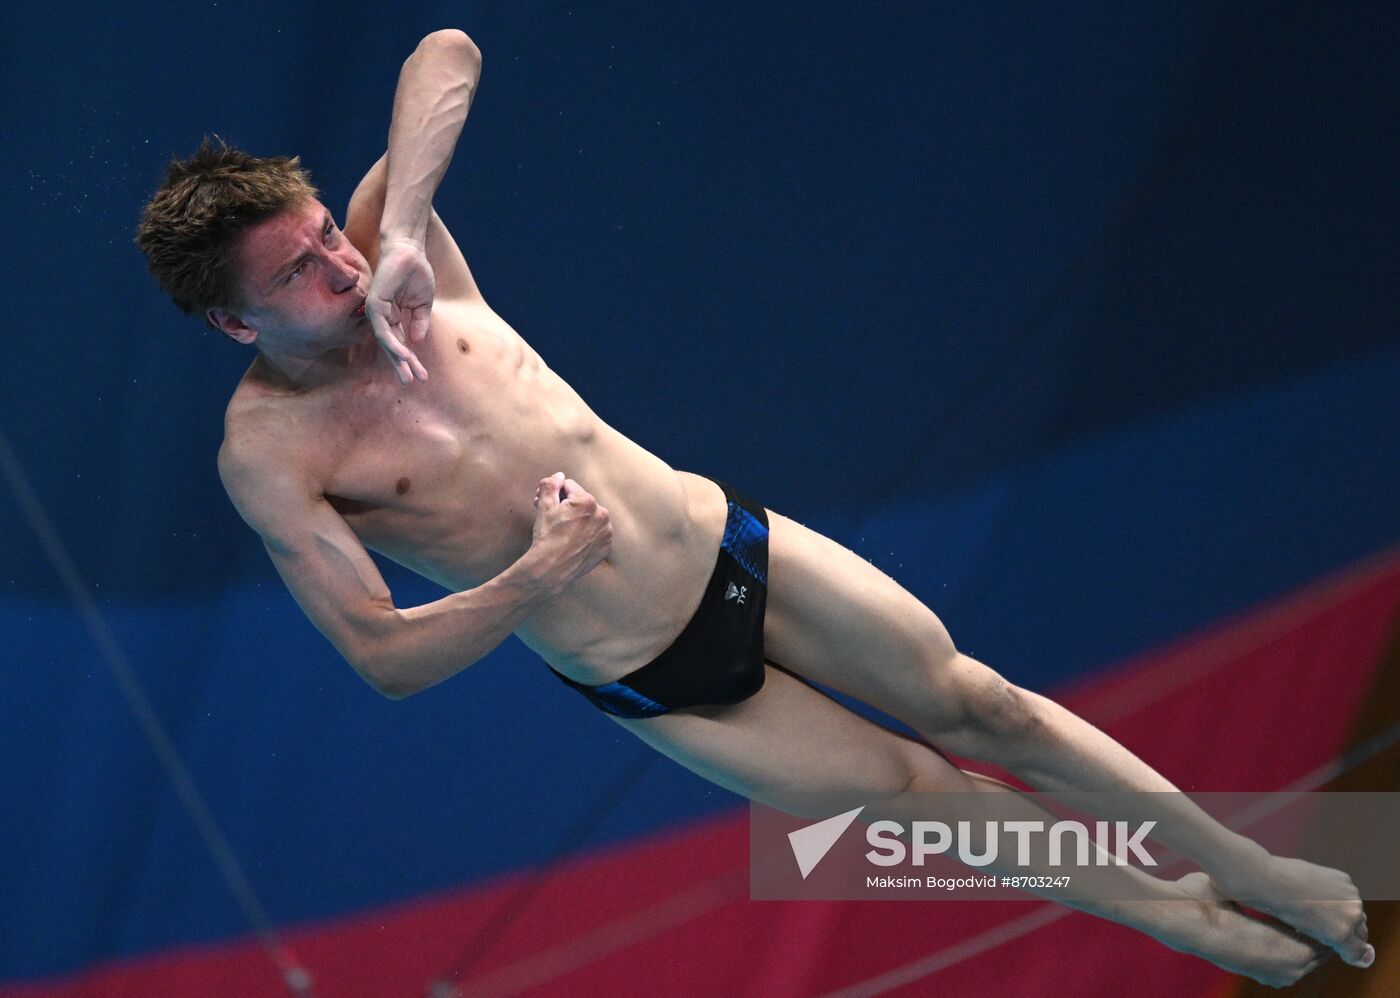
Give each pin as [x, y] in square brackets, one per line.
[387, 680]
[384, 679]
[394, 691]
[455, 42]
[374, 658]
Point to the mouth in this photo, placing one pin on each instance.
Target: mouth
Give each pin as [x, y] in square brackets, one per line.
[359, 312]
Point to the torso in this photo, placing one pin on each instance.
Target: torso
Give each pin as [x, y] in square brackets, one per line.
[440, 476]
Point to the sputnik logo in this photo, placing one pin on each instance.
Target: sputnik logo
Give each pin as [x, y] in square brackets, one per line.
[810, 844]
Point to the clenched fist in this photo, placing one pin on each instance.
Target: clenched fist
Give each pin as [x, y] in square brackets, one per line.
[572, 533]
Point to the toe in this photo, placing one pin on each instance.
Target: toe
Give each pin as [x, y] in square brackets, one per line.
[1356, 952]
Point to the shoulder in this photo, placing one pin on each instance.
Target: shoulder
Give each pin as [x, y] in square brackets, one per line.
[265, 467]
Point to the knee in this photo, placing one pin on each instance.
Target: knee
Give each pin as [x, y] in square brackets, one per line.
[985, 708]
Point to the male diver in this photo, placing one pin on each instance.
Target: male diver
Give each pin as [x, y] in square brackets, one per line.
[689, 613]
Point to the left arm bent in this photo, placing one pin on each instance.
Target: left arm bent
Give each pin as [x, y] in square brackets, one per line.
[435, 92]
[431, 102]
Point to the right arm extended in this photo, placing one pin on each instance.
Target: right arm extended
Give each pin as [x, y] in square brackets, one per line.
[336, 583]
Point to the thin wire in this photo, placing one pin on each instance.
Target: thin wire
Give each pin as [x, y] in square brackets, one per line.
[295, 976]
[445, 985]
[543, 966]
[965, 949]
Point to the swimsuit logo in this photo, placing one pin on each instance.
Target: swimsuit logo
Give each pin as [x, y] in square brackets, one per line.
[736, 593]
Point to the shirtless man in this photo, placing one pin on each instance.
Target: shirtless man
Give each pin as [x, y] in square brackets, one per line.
[465, 458]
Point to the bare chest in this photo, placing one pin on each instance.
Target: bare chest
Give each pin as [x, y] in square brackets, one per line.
[439, 476]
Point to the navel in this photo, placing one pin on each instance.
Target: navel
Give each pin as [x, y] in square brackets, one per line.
[462, 345]
[401, 486]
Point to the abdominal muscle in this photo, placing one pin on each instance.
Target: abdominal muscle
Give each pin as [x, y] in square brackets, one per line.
[475, 440]
[667, 527]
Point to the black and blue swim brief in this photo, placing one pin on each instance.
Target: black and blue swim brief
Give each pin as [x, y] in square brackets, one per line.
[718, 658]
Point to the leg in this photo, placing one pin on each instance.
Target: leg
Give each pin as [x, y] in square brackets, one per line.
[789, 737]
[768, 746]
[836, 619]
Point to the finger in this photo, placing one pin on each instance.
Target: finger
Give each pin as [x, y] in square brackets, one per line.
[380, 327]
[391, 344]
[548, 496]
[410, 367]
[577, 495]
[400, 369]
[418, 325]
[384, 311]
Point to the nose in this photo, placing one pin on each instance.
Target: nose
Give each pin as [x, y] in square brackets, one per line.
[347, 275]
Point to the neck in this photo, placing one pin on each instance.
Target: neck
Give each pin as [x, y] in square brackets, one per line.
[298, 372]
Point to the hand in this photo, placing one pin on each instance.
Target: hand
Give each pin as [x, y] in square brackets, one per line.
[401, 293]
[573, 534]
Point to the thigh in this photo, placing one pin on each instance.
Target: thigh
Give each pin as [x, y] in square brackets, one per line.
[789, 737]
[836, 619]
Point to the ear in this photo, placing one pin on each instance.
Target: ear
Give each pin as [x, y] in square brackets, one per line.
[226, 322]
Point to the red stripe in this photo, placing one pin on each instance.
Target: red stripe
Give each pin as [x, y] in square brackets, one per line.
[1266, 698]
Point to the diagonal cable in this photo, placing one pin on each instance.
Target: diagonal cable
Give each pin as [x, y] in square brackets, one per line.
[292, 973]
[573, 839]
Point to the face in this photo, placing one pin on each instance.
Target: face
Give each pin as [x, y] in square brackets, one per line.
[304, 282]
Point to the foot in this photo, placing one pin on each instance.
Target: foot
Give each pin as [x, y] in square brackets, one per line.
[1273, 887]
[1215, 929]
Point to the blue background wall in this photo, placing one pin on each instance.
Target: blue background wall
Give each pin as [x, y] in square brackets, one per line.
[1079, 321]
